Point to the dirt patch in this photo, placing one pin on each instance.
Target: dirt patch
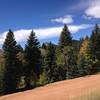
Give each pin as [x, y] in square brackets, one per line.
[63, 90]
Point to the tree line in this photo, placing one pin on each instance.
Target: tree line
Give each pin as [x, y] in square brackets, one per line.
[37, 65]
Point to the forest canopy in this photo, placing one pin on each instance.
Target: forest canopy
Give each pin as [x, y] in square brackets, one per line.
[36, 65]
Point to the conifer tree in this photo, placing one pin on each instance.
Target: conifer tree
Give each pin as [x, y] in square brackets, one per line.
[94, 48]
[70, 61]
[33, 60]
[94, 44]
[65, 37]
[11, 73]
[44, 46]
[19, 62]
[50, 64]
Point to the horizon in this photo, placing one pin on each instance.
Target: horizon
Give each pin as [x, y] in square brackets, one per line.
[47, 18]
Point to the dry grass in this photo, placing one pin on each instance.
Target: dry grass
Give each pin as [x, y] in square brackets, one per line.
[83, 88]
[95, 95]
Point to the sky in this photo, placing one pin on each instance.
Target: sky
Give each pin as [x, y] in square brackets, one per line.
[47, 18]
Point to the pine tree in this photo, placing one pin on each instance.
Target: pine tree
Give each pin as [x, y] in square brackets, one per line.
[65, 45]
[44, 46]
[33, 60]
[50, 64]
[94, 48]
[94, 43]
[70, 61]
[11, 73]
[84, 65]
[19, 62]
[65, 37]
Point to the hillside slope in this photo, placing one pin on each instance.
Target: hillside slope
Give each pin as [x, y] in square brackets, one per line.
[63, 90]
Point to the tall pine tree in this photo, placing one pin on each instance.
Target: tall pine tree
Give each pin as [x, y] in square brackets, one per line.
[11, 73]
[94, 43]
[65, 37]
[65, 44]
[94, 48]
[33, 60]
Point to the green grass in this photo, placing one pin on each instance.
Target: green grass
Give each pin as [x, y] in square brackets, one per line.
[90, 96]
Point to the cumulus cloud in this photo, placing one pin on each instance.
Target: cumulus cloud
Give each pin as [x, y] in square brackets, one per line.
[43, 33]
[77, 28]
[20, 35]
[94, 9]
[64, 20]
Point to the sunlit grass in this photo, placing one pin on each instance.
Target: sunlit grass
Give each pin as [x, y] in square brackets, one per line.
[90, 96]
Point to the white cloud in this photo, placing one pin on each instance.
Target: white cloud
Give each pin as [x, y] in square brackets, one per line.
[43, 33]
[94, 9]
[20, 35]
[64, 20]
[77, 28]
[87, 17]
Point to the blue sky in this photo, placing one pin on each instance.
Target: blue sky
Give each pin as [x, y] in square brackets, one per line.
[47, 18]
